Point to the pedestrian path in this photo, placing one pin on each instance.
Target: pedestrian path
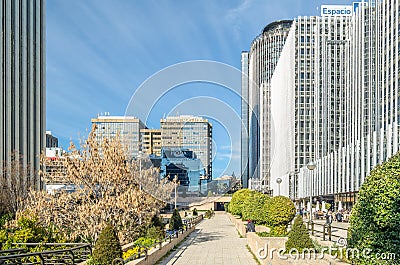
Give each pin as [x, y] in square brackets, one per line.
[215, 241]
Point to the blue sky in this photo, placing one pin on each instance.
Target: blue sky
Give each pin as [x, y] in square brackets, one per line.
[100, 51]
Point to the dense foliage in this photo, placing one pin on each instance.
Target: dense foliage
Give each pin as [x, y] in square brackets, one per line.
[109, 190]
[254, 207]
[107, 247]
[27, 229]
[175, 223]
[238, 198]
[375, 218]
[280, 211]
[226, 207]
[299, 237]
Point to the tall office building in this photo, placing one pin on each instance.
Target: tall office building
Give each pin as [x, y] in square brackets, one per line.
[258, 66]
[22, 96]
[335, 101]
[308, 94]
[151, 141]
[128, 128]
[191, 133]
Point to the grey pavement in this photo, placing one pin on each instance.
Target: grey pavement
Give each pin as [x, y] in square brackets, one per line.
[215, 241]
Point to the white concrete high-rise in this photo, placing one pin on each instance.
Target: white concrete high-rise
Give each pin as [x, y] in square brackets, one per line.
[258, 66]
[334, 99]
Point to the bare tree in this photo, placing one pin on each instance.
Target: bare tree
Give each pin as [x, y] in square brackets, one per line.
[15, 181]
[108, 191]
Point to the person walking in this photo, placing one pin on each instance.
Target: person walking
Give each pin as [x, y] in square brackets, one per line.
[329, 218]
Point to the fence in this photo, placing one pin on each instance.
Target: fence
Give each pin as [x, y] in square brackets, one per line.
[328, 232]
[144, 252]
[70, 253]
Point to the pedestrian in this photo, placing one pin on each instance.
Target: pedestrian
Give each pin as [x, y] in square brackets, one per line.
[329, 218]
[250, 226]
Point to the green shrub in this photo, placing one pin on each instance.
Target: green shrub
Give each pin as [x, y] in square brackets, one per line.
[375, 218]
[195, 213]
[254, 207]
[299, 237]
[155, 232]
[328, 206]
[236, 204]
[107, 247]
[175, 223]
[144, 242]
[155, 229]
[226, 207]
[209, 213]
[280, 211]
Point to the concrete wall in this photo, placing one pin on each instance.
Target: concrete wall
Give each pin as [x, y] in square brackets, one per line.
[156, 254]
[239, 224]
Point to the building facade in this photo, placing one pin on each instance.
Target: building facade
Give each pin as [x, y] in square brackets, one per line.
[308, 97]
[192, 133]
[258, 66]
[126, 127]
[335, 101]
[151, 141]
[22, 96]
[183, 165]
[51, 140]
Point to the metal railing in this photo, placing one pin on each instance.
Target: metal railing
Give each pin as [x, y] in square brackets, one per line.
[70, 253]
[327, 232]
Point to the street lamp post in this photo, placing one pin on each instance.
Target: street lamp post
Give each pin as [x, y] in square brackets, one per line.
[279, 181]
[176, 185]
[311, 166]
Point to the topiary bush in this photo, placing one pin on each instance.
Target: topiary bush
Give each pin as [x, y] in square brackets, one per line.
[254, 207]
[107, 247]
[175, 223]
[375, 218]
[236, 204]
[298, 237]
[280, 211]
[195, 213]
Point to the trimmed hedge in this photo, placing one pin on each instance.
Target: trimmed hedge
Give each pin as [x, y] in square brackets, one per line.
[299, 237]
[280, 211]
[175, 222]
[107, 247]
[375, 218]
[238, 198]
[254, 207]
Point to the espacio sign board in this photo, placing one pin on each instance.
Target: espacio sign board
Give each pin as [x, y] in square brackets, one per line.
[336, 10]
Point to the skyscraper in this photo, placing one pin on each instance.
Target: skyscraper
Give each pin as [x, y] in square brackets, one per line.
[22, 96]
[335, 101]
[258, 66]
[192, 133]
[128, 128]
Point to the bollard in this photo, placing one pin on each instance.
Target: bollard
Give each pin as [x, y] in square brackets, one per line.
[308, 225]
[323, 234]
[330, 232]
[160, 244]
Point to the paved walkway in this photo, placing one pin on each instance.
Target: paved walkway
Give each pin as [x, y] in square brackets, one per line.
[215, 241]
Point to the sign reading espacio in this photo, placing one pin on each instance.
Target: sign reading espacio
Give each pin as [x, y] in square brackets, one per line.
[336, 10]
